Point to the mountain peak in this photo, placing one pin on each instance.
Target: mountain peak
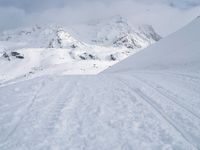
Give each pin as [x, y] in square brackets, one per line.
[115, 31]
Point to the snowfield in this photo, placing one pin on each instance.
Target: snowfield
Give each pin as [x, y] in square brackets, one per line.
[137, 111]
[149, 101]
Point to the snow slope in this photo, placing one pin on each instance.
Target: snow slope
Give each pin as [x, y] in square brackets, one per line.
[137, 111]
[177, 51]
[123, 109]
[54, 49]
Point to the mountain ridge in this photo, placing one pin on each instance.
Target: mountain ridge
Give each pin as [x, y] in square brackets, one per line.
[57, 49]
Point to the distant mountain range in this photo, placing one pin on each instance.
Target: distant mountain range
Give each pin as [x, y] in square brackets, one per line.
[81, 49]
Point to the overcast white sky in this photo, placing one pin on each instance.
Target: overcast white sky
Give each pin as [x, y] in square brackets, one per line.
[165, 16]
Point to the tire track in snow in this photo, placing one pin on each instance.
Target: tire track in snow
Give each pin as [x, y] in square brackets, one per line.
[165, 116]
[184, 77]
[58, 105]
[170, 121]
[183, 107]
[73, 112]
[170, 97]
[54, 111]
[23, 116]
[50, 121]
[194, 78]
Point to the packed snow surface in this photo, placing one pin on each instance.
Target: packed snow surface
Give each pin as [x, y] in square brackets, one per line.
[153, 105]
[126, 111]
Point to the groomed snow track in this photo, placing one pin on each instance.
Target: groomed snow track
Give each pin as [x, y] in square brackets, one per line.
[137, 111]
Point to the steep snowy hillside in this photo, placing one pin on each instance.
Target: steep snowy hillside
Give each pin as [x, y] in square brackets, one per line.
[135, 108]
[53, 49]
[177, 51]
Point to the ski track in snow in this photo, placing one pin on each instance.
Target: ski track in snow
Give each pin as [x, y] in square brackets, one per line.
[124, 111]
[26, 113]
[175, 123]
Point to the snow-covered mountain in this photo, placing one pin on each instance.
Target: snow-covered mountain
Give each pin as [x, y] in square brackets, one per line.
[52, 36]
[80, 49]
[177, 51]
[117, 32]
[114, 32]
[149, 101]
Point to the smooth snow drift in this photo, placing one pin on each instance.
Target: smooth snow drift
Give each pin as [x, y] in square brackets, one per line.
[153, 105]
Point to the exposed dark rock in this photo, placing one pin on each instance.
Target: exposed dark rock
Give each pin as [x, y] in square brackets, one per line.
[59, 40]
[51, 44]
[150, 33]
[86, 56]
[74, 46]
[5, 55]
[119, 39]
[113, 57]
[129, 46]
[19, 56]
[127, 41]
[15, 53]
[92, 56]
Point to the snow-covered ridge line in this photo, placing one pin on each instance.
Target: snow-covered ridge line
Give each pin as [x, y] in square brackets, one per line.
[114, 32]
